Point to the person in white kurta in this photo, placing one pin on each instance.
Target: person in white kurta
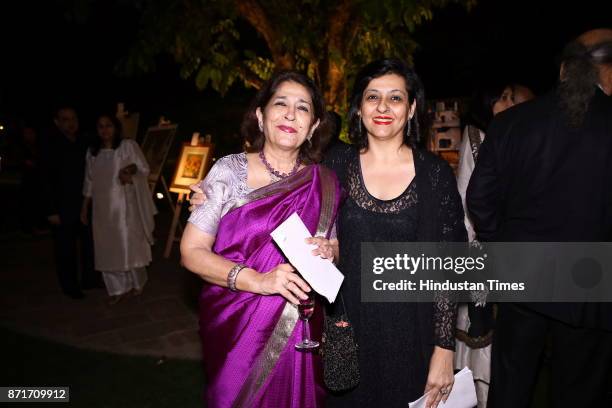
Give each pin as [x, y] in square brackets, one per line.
[478, 357]
[466, 167]
[122, 217]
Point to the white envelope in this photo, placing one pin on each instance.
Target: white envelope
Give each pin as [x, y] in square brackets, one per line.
[321, 274]
[463, 394]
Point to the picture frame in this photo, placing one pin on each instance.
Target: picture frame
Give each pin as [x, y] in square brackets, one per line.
[191, 167]
[155, 147]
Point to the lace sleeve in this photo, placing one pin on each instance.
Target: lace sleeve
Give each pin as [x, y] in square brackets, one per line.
[445, 318]
[450, 216]
[450, 212]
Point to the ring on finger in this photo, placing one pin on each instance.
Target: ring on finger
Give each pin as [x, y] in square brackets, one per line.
[443, 391]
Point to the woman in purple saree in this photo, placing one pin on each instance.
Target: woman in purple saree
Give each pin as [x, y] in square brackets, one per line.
[248, 319]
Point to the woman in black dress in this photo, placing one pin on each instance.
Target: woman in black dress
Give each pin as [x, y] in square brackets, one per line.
[395, 192]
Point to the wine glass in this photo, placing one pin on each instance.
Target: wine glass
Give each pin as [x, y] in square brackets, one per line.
[305, 310]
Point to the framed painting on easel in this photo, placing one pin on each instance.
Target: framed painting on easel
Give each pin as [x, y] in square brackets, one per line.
[192, 166]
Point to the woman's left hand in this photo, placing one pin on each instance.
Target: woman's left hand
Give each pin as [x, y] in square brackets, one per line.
[125, 178]
[126, 173]
[440, 378]
[327, 249]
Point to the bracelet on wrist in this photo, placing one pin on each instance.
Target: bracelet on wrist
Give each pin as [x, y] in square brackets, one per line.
[233, 274]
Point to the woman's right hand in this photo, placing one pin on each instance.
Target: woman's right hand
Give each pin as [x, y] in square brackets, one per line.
[198, 198]
[283, 280]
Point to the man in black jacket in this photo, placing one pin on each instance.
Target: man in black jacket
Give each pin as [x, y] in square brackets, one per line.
[63, 165]
[544, 173]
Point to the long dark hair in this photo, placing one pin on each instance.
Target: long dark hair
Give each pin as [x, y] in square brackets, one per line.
[480, 111]
[579, 78]
[254, 137]
[416, 92]
[96, 143]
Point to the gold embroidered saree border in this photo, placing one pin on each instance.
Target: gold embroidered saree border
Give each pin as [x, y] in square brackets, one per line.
[328, 198]
[268, 358]
[289, 317]
[281, 186]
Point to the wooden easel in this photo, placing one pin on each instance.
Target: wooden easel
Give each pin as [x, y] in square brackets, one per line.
[183, 191]
[170, 202]
[172, 238]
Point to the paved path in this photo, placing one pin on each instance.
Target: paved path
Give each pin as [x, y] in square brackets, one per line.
[160, 322]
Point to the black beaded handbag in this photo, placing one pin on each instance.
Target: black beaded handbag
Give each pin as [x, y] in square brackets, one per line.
[340, 353]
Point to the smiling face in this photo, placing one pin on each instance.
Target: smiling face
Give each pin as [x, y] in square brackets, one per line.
[385, 108]
[287, 119]
[106, 130]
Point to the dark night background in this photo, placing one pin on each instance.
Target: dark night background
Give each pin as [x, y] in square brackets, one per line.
[47, 59]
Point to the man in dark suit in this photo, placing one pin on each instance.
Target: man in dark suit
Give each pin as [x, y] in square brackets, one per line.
[63, 165]
[544, 173]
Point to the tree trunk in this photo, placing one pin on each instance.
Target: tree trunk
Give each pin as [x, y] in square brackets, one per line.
[335, 83]
[252, 11]
[335, 92]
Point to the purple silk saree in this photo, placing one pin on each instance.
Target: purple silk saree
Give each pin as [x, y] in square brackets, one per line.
[248, 339]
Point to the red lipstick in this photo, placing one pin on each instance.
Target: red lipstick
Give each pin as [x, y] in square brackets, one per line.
[287, 129]
[382, 120]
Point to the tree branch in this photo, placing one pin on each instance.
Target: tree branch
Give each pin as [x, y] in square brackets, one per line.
[252, 11]
[250, 78]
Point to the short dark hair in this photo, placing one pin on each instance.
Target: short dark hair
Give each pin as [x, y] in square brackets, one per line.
[480, 109]
[416, 92]
[255, 139]
[63, 107]
[96, 143]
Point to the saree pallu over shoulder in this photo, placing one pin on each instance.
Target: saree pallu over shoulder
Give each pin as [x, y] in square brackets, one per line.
[248, 339]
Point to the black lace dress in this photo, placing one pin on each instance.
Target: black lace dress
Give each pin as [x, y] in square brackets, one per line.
[395, 339]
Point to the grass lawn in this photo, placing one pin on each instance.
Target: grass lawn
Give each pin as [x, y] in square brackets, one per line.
[98, 379]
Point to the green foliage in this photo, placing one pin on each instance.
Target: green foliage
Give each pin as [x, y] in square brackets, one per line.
[204, 38]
